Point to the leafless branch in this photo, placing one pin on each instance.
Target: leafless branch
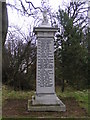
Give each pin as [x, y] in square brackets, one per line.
[13, 6]
[33, 5]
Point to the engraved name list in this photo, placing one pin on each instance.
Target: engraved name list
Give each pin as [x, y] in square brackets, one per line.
[45, 62]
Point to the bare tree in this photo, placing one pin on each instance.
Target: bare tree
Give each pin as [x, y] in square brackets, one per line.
[21, 51]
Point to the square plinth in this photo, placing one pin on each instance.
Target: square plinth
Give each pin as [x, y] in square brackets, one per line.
[46, 102]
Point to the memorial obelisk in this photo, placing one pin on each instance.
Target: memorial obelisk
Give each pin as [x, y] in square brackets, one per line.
[45, 98]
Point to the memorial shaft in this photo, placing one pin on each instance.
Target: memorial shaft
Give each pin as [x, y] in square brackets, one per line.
[45, 62]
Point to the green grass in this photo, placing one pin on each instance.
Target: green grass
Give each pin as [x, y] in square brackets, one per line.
[80, 96]
[8, 93]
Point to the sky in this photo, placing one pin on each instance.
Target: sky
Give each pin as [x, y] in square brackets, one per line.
[23, 22]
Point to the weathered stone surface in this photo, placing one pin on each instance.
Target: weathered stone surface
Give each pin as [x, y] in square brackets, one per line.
[45, 66]
[60, 107]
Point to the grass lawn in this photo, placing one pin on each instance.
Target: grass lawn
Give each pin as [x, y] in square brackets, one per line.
[15, 102]
[80, 96]
[8, 93]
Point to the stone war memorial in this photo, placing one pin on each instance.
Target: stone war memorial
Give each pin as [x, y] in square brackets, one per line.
[45, 98]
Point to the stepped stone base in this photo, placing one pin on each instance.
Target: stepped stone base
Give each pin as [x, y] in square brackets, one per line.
[46, 108]
[46, 102]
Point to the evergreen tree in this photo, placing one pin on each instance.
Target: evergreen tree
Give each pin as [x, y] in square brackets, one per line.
[73, 51]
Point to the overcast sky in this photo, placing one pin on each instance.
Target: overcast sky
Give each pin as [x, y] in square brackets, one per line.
[16, 19]
[23, 22]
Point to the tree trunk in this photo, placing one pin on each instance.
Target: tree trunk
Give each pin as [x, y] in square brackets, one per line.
[62, 88]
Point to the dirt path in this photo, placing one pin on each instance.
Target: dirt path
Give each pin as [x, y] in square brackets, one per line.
[18, 108]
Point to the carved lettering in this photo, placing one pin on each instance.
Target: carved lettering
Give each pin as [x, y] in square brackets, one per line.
[45, 63]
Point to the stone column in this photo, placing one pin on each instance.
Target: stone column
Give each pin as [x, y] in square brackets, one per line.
[45, 84]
